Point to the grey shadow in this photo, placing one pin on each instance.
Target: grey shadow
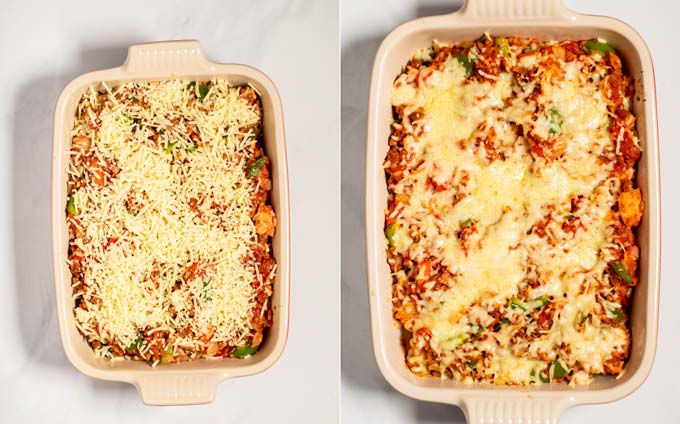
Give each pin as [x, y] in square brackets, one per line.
[31, 190]
[358, 363]
[437, 7]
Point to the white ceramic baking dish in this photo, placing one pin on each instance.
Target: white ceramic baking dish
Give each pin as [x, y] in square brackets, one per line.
[544, 19]
[188, 382]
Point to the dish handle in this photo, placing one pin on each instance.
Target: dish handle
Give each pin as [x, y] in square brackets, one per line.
[514, 9]
[177, 389]
[488, 410]
[164, 56]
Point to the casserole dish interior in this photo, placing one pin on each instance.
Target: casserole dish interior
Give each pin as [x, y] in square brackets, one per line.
[186, 382]
[544, 20]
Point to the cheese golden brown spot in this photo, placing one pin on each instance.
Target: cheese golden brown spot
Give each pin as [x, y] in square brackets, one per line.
[510, 179]
[170, 247]
[630, 207]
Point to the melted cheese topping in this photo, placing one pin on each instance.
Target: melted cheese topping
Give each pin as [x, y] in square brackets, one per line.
[137, 258]
[455, 185]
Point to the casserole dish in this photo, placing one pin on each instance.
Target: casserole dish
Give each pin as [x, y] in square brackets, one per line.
[543, 19]
[186, 382]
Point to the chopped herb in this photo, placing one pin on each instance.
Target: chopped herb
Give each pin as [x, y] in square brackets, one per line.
[593, 46]
[539, 302]
[169, 147]
[191, 85]
[428, 56]
[558, 370]
[533, 372]
[581, 317]
[466, 223]
[569, 217]
[472, 364]
[543, 379]
[128, 118]
[71, 206]
[166, 356]
[254, 170]
[612, 309]
[465, 61]
[503, 46]
[477, 330]
[555, 121]
[245, 350]
[518, 304]
[389, 233]
[621, 271]
[202, 91]
[455, 341]
[137, 124]
[135, 99]
[442, 302]
[192, 147]
[616, 313]
[205, 292]
[136, 344]
[497, 326]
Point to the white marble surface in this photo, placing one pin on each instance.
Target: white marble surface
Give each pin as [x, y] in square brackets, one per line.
[46, 44]
[366, 396]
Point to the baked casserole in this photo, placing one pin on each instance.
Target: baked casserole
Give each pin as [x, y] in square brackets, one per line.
[511, 209]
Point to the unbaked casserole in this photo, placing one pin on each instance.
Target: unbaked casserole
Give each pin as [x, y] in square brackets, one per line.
[170, 220]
